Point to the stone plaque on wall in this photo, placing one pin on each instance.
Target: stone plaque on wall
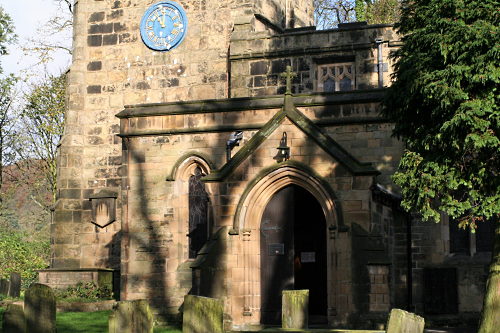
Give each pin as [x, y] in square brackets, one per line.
[103, 208]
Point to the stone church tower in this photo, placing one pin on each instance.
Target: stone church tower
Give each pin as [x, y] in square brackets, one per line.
[233, 151]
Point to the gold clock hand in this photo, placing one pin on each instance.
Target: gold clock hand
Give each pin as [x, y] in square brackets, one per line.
[161, 19]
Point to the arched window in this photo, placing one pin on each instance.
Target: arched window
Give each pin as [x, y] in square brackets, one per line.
[198, 212]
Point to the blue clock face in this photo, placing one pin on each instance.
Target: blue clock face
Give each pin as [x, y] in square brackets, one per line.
[163, 26]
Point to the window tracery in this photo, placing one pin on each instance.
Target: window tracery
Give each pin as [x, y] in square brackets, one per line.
[336, 77]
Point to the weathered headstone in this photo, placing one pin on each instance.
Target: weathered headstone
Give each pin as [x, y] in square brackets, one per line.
[15, 285]
[4, 287]
[13, 319]
[202, 315]
[131, 317]
[40, 309]
[402, 321]
[295, 309]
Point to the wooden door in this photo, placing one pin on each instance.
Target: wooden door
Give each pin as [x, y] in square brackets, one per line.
[276, 248]
[310, 253]
[293, 252]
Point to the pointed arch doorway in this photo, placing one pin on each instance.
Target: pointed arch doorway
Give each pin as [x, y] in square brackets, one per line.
[293, 252]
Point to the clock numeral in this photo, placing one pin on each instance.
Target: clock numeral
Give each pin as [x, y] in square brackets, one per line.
[175, 17]
[175, 32]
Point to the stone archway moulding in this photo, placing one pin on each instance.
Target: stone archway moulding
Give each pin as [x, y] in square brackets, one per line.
[247, 223]
[184, 163]
[180, 174]
[253, 204]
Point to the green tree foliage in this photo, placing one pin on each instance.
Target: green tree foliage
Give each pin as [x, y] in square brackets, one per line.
[84, 291]
[18, 255]
[383, 11]
[8, 136]
[329, 13]
[43, 121]
[7, 35]
[444, 103]
[445, 106]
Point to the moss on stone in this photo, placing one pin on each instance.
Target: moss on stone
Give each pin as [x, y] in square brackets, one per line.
[295, 309]
[202, 314]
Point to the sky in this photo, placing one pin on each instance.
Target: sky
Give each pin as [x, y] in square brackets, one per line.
[28, 15]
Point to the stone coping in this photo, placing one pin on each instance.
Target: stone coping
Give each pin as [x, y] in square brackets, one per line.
[309, 30]
[251, 103]
[247, 127]
[77, 270]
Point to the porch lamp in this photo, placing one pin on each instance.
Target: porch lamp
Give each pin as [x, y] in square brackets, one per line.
[283, 149]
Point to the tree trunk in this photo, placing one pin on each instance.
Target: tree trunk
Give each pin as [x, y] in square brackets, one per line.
[490, 316]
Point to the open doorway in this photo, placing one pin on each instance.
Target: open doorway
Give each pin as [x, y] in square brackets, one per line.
[293, 252]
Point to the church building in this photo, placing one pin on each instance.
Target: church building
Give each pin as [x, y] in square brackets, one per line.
[227, 148]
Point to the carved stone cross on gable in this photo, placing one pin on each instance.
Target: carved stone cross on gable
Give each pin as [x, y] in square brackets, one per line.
[289, 75]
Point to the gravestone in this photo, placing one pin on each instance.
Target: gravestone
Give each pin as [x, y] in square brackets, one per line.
[202, 315]
[131, 317]
[402, 321]
[15, 285]
[13, 319]
[4, 287]
[40, 309]
[295, 308]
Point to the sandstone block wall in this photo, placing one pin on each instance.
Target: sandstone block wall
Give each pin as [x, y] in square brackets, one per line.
[63, 279]
[112, 68]
[160, 142]
[236, 50]
[257, 60]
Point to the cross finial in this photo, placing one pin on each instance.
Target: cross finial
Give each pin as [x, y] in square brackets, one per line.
[289, 75]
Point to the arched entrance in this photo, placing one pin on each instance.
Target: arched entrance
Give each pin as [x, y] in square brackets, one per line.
[293, 252]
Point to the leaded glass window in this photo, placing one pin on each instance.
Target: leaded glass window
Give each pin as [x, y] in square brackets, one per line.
[336, 77]
[464, 242]
[198, 213]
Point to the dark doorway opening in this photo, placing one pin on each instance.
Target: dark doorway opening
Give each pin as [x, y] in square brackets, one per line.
[293, 252]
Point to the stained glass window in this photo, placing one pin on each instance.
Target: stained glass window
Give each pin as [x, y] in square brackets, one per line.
[198, 213]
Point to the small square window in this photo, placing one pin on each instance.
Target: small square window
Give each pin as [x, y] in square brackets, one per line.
[336, 77]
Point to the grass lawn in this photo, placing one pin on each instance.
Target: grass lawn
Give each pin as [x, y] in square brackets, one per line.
[1, 317]
[91, 322]
[88, 322]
